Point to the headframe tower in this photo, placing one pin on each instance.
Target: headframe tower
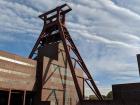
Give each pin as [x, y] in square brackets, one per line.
[55, 31]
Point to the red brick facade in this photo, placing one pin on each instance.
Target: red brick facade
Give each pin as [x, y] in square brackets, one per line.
[19, 73]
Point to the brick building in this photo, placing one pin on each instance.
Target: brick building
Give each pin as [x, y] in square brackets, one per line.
[17, 78]
[35, 82]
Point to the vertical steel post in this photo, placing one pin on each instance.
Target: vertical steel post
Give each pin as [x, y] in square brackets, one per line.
[9, 97]
[83, 88]
[24, 97]
[69, 60]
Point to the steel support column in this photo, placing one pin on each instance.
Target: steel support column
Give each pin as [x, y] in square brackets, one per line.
[55, 23]
[9, 97]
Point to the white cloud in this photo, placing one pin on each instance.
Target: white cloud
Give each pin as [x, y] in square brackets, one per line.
[17, 18]
[108, 29]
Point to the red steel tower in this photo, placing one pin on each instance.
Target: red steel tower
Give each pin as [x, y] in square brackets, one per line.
[55, 31]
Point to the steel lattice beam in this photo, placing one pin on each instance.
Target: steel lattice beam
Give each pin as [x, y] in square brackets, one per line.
[54, 22]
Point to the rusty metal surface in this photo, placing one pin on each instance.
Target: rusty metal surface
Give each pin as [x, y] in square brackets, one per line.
[54, 31]
[50, 24]
[56, 77]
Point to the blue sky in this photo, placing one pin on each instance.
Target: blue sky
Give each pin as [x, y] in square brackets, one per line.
[106, 33]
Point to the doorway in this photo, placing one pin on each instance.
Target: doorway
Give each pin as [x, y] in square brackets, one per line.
[4, 97]
[16, 98]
